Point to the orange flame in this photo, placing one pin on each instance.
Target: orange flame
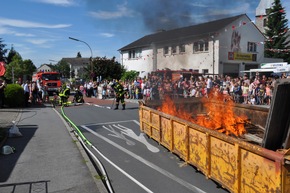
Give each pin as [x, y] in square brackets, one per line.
[220, 115]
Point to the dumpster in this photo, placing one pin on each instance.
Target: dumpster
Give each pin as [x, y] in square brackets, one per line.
[237, 163]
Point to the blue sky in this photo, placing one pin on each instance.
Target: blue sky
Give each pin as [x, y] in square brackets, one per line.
[40, 29]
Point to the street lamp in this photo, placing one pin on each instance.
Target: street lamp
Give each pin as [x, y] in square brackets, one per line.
[91, 64]
[213, 54]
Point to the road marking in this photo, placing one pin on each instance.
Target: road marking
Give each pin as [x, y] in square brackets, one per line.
[118, 168]
[130, 133]
[119, 135]
[127, 131]
[113, 122]
[151, 165]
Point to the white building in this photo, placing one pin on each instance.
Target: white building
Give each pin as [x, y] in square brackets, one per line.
[225, 46]
[45, 68]
[77, 65]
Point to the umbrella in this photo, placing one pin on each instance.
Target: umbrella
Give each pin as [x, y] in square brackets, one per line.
[2, 68]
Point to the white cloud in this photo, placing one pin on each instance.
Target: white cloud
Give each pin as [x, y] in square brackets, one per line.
[244, 8]
[37, 41]
[198, 5]
[29, 24]
[107, 35]
[40, 43]
[7, 31]
[57, 2]
[122, 11]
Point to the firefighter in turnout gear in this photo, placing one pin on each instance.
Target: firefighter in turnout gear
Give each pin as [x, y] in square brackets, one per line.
[120, 94]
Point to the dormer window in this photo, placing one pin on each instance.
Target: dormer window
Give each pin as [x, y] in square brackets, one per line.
[174, 50]
[166, 50]
[182, 48]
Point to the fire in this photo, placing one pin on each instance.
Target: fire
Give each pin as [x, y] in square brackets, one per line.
[169, 107]
[219, 115]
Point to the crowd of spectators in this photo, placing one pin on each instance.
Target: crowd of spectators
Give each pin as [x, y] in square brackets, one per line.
[35, 92]
[257, 90]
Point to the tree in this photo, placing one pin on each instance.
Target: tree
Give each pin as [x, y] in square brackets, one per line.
[2, 51]
[18, 68]
[130, 75]
[79, 55]
[27, 69]
[63, 68]
[107, 68]
[11, 54]
[14, 69]
[277, 45]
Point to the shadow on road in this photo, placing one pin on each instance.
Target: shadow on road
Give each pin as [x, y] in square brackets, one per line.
[7, 162]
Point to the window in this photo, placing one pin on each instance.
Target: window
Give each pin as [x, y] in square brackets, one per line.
[174, 49]
[200, 46]
[206, 46]
[132, 54]
[252, 47]
[166, 50]
[195, 47]
[138, 53]
[264, 22]
[182, 48]
[135, 54]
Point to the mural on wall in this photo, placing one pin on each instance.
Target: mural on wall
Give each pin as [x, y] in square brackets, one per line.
[235, 41]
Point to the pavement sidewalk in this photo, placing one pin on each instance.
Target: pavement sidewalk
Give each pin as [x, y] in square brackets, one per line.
[48, 157]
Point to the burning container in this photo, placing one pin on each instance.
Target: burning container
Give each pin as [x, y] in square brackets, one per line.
[238, 163]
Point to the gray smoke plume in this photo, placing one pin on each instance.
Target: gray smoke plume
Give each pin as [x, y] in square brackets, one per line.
[170, 14]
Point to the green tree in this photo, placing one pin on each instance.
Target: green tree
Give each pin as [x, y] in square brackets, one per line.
[11, 54]
[130, 75]
[63, 68]
[3, 51]
[14, 69]
[19, 68]
[107, 68]
[27, 69]
[276, 45]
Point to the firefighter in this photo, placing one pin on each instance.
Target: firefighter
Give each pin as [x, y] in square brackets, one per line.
[64, 95]
[120, 94]
[78, 97]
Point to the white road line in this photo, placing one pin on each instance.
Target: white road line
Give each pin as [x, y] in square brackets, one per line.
[115, 122]
[120, 169]
[153, 166]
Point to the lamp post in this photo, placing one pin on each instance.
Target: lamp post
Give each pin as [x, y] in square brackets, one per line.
[213, 54]
[91, 64]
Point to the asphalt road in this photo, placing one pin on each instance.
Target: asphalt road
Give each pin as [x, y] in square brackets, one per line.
[134, 162]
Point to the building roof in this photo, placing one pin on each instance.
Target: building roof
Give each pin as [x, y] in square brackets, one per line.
[77, 61]
[181, 34]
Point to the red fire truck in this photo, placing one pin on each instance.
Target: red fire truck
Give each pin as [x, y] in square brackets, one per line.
[51, 79]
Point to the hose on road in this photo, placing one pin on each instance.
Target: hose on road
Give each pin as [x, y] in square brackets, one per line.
[84, 141]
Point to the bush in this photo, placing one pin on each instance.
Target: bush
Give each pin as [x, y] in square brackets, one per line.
[14, 95]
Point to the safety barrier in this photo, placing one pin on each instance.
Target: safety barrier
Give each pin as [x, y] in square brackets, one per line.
[239, 166]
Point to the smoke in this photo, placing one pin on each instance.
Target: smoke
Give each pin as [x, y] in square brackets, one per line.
[168, 14]
[164, 14]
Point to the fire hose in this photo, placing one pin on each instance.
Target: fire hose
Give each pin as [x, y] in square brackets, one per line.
[84, 141]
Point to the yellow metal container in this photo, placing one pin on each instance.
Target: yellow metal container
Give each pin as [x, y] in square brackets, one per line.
[239, 166]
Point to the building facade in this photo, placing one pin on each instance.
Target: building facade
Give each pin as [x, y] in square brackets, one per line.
[77, 65]
[44, 68]
[262, 14]
[225, 46]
